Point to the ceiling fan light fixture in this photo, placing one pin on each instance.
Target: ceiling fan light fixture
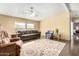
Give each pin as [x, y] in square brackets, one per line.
[32, 15]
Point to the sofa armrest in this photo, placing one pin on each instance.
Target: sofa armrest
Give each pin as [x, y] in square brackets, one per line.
[7, 45]
[10, 49]
[39, 34]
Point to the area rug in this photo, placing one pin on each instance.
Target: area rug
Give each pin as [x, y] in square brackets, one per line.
[42, 47]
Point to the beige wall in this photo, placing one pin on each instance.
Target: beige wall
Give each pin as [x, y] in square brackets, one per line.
[9, 23]
[60, 21]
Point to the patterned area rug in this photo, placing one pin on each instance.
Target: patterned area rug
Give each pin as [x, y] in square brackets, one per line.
[42, 47]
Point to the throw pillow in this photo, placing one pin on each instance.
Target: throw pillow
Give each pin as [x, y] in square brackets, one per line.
[6, 40]
[0, 41]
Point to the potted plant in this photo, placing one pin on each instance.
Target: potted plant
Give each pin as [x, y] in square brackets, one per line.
[57, 31]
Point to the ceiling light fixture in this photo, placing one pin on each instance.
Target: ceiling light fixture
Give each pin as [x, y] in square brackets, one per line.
[31, 12]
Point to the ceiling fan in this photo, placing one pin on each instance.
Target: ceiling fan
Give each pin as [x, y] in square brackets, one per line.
[32, 12]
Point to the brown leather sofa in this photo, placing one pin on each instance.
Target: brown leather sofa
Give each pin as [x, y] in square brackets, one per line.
[10, 49]
[29, 34]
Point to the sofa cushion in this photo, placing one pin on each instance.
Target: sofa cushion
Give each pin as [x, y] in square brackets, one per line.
[29, 34]
[4, 37]
[34, 31]
[21, 32]
[0, 38]
[0, 41]
[19, 42]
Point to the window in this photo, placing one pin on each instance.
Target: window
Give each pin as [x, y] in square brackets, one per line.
[30, 26]
[23, 26]
[20, 26]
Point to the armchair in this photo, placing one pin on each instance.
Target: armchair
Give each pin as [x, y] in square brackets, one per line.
[10, 49]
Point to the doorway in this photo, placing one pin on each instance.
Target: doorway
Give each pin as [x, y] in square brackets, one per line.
[75, 37]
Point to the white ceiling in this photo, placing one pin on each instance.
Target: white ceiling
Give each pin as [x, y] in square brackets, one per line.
[19, 9]
[74, 9]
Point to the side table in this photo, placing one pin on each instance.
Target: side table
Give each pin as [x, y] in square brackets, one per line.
[14, 35]
[57, 36]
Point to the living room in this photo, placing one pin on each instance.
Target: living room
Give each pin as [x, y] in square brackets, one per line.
[46, 23]
[37, 29]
